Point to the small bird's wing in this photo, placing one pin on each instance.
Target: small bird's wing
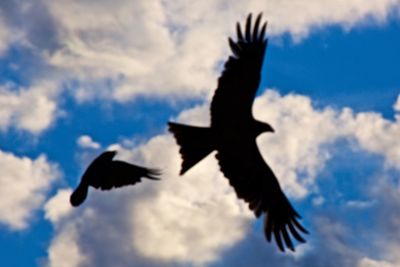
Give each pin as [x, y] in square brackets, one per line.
[255, 183]
[121, 173]
[238, 84]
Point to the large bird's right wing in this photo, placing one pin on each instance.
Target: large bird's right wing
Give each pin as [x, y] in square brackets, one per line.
[238, 84]
[255, 183]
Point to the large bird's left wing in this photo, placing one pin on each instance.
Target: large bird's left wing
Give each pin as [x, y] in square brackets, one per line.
[238, 84]
[255, 183]
[122, 173]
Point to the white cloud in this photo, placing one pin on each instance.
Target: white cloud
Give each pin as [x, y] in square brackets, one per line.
[318, 201]
[184, 209]
[387, 243]
[156, 47]
[360, 204]
[57, 207]
[123, 49]
[85, 141]
[4, 35]
[126, 41]
[366, 262]
[375, 135]
[31, 109]
[64, 251]
[23, 185]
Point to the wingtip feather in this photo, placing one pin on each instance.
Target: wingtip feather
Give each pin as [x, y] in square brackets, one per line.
[234, 47]
[262, 32]
[239, 32]
[248, 28]
[256, 26]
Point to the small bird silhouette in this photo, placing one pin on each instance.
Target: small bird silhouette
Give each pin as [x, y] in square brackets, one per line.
[233, 133]
[105, 173]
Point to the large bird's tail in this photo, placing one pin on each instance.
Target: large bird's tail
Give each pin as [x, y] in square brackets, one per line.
[195, 142]
[79, 195]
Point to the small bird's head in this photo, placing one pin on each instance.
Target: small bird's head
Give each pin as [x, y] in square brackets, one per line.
[79, 195]
[261, 127]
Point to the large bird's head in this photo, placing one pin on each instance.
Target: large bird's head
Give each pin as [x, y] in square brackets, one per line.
[261, 127]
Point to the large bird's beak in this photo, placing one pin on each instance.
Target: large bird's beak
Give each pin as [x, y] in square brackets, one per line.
[269, 128]
[272, 130]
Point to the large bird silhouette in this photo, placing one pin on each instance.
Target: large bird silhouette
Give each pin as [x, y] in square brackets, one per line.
[233, 133]
[105, 173]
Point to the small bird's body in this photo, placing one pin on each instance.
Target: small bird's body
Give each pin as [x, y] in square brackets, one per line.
[105, 173]
[233, 133]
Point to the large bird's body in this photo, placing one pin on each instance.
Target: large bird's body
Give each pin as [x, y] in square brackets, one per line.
[233, 133]
[105, 173]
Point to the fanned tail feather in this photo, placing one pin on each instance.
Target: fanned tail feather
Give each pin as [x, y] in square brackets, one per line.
[153, 174]
[195, 143]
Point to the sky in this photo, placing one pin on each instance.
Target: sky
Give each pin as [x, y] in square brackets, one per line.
[80, 77]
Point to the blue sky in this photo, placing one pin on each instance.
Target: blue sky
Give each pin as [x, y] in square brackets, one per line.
[79, 77]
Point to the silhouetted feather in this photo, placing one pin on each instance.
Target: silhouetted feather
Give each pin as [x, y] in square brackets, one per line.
[152, 174]
[239, 32]
[248, 28]
[278, 239]
[287, 239]
[295, 233]
[234, 47]
[298, 225]
[256, 25]
[262, 33]
[195, 142]
[268, 227]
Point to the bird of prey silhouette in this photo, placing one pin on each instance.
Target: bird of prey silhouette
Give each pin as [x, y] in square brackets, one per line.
[105, 173]
[233, 133]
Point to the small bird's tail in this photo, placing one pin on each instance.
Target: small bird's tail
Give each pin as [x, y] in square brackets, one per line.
[195, 142]
[79, 195]
[152, 174]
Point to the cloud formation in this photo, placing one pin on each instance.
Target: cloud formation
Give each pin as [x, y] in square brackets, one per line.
[64, 251]
[24, 183]
[156, 48]
[57, 207]
[197, 219]
[31, 109]
[117, 51]
[181, 44]
[4, 36]
[85, 141]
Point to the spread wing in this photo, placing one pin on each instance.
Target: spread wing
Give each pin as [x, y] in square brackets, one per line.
[238, 84]
[121, 173]
[255, 183]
